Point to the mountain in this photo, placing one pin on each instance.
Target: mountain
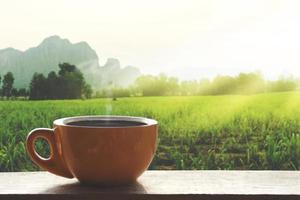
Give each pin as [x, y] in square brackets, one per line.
[54, 50]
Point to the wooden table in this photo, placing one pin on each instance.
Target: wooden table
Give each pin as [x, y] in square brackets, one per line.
[173, 185]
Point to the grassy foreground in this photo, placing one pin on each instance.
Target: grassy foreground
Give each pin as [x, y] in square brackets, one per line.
[207, 132]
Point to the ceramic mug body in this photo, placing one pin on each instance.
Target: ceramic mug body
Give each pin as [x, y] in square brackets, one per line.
[97, 155]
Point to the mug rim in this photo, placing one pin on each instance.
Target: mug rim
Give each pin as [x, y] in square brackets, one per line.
[64, 121]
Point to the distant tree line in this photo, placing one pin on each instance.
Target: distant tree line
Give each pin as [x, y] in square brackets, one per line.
[162, 85]
[69, 83]
[7, 89]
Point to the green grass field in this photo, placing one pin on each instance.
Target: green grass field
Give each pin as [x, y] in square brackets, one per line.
[206, 132]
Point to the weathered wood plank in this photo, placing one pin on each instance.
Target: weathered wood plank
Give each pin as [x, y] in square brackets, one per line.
[158, 185]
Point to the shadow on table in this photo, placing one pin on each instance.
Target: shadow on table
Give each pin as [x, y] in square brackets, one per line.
[78, 188]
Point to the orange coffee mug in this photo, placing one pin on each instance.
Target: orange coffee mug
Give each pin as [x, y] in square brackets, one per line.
[105, 150]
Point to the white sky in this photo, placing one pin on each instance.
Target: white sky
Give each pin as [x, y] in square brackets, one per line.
[188, 39]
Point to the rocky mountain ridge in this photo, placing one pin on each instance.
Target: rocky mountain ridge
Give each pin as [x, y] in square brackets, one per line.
[54, 50]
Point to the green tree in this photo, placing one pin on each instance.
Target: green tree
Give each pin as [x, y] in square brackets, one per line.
[66, 68]
[52, 85]
[37, 87]
[223, 85]
[194, 87]
[149, 85]
[7, 84]
[71, 81]
[172, 86]
[282, 85]
[87, 91]
[14, 92]
[22, 92]
[120, 92]
[68, 84]
[250, 83]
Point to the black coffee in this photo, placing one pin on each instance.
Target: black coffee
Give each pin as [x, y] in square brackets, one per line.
[106, 123]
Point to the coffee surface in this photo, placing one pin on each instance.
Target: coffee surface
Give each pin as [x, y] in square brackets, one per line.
[106, 123]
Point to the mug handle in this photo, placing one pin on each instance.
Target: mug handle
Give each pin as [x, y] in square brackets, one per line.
[54, 163]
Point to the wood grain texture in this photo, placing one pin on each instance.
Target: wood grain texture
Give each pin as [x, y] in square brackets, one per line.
[158, 185]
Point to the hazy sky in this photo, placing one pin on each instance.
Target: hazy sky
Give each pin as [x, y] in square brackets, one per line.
[188, 39]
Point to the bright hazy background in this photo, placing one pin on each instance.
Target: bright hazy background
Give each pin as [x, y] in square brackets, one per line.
[188, 39]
